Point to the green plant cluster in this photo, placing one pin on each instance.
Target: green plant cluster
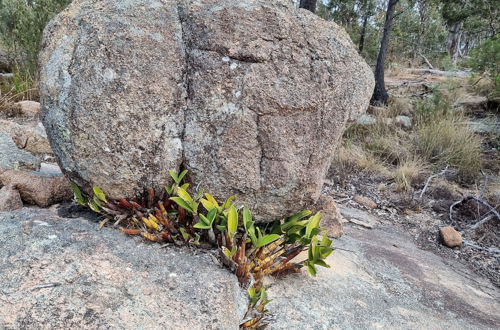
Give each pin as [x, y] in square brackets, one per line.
[486, 59]
[251, 250]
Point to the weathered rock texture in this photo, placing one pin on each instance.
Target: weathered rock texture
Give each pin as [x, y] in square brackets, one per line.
[38, 188]
[104, 279]
[382, 280]
[10, 199]
[250, 96]
[11, 157]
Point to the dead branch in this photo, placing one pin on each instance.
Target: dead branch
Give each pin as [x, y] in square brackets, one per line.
[427, 62]
[482, 222]
[475, 246]
[430, 179]
[477, 199]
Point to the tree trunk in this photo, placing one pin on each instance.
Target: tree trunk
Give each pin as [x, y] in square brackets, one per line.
[363, 32]
[380, 95]
[422, 13]
[308, 4]
[454, 39]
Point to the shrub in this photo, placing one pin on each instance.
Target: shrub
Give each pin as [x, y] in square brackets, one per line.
[486, 58]
[21, 27]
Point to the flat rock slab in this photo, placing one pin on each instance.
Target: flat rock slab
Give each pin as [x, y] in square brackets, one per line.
[358, 217]
[385, 282]
[59, 273]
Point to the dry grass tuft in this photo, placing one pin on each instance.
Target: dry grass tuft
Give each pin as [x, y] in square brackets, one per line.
[449, 141]
[399, 106]
[407, 172]
[352, 159]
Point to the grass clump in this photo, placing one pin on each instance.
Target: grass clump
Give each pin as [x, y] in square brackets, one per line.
[407, 173]
[449, 141]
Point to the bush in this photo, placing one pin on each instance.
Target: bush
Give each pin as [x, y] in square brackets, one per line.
[486, 58]
[21, 27]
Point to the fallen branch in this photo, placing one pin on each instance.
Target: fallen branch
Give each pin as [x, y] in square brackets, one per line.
[430, 179]
[427, 62]
[475, 246]
[482, 222]
[477, 199]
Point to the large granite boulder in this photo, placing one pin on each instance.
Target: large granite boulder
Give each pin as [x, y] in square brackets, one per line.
[250, 96]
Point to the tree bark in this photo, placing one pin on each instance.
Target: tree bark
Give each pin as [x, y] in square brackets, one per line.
[380, 95]
[363, 32]
[308, 4]
[454, 39]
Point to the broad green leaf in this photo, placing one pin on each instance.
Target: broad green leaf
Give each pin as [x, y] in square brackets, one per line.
[311, 269]
[170, 190]
[227, 204]
[325, 252]
[201, 225]
[247, 218]
[212, 215]
[100, 194]
[181, 176]
[78, 194]
[232, 221]
[207, 204]
[184, 233]
[174, 176]
[313, 223]
[182, 203]
[184, 195]
[212, 200]
[185, 186]
[268, 239]
[321, 263]
[94, 207]
[204, 219]
[291, 221]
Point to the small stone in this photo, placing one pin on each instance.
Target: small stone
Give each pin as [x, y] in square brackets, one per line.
[29, 108]
[37, 188]
[10, 199]
[30, 136]
[366, 120]
[331, 219]
[451, 238]
[358, 217]
[11, 157]
[365, 201]
[404, 121]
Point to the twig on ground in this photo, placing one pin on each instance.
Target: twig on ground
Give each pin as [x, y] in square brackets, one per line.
[481, 222]
[46, 285]
[485, 184]
[475, 246]
[430, 179]
[477, 199]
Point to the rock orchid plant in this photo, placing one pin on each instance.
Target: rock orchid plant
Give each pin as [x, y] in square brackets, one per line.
[248, 249]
